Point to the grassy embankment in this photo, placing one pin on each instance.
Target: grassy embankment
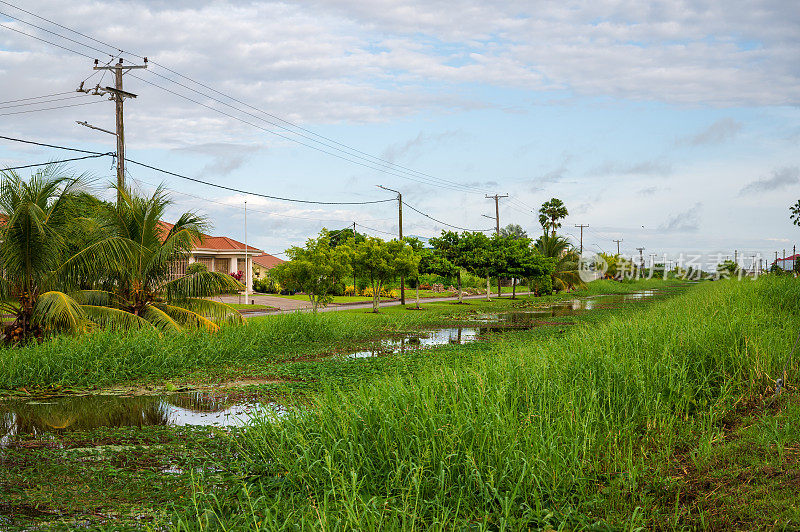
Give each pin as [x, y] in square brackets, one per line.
[630, 422]
[110, 358]
[129, 476]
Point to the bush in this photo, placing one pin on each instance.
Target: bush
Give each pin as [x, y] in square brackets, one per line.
[266, 285]
[196, 267]
[350, 291]
[541, 286]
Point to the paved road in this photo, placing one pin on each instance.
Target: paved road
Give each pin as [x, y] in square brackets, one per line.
[285, 305]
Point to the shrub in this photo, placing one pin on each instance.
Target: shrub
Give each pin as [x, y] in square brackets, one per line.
[350, 291]
[237, 275]
[196, 267]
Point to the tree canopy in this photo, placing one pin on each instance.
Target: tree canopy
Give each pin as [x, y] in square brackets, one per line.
[383, 261]
[550, 215]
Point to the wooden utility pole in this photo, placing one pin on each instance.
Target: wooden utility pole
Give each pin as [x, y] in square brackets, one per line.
[118, 95]
[617, 241]
[400, 232]
[581, 226]
[496, 198]
[641, 260]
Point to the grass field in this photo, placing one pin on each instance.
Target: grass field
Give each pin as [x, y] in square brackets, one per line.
[646, 419]
[110, 358]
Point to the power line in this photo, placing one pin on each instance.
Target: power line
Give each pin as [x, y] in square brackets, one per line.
[208, 183]
[441, 222]
[46, 41]
[56, 162]
[50, 108]
[54, 33]
[2, 106]
[37, 97]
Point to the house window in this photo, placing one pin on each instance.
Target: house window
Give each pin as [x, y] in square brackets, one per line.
[222, 265]
[178, 268]
[205, 261]
[241, 265]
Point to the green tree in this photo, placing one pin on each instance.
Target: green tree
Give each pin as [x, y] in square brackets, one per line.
[383, 261]
[550, 215]
[513, 231]
[315, 269]
[482, 256]
[139, 288]
[795, 213]
[36, 266]
[430, 262]
[565, 274]
[451, 246]
[727, 269]
[520, 262]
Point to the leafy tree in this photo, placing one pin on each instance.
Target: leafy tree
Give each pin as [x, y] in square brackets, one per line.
[482, 256]
[430, 262]
[138, 288]
[520, 262]
[612, 264]
[383, 261]
[728, 268]
[315, 269]
[565, 273]
[33, 251]
[550, 214]
[452, 247]
[795, 213]
[345, 235]
[513, 231]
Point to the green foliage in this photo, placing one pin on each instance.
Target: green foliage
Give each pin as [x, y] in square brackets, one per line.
[196, 267]
[34, 243]
[795, 213]
[318, 269]
[727, 269]
[565, 274]
[565, 432]
[382, 261]
[550, 215]
[513, 231]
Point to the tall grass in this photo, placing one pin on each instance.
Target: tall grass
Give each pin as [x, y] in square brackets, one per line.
[531, 435]
[106, 358]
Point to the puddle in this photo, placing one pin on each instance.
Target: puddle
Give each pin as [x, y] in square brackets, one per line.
[65, 414]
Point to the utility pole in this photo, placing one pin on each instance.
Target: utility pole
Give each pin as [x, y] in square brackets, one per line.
[496, 199]
[247, 268]
[641, 260]
[400, 231]
[581, 226]
[617, 241]
[118, 95]
[354, 260]
[736, 256]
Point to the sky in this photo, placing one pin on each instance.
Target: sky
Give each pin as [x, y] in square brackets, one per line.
[672, 126]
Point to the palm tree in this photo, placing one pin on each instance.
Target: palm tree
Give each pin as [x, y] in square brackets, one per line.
[36, 218]
[550, 213]
[139, 290]
[565, 274]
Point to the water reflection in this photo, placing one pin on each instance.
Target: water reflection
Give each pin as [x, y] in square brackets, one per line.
[64, 414]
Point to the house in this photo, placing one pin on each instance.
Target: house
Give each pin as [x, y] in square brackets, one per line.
[263, 263]
[787, 264]
[218, 254]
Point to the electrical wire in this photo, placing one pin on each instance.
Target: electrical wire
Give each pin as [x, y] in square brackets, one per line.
[50, 108]
[54, 33]
[57, 162]
[37, 97]
[444, 223]
[41, 101]
[46, 41]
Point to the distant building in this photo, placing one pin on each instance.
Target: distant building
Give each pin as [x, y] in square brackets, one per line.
[263, 263]
[788, 263]
[218, 254]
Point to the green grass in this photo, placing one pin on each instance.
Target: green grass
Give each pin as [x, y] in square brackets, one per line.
[243, 306]
[575, 430]
[110, 358]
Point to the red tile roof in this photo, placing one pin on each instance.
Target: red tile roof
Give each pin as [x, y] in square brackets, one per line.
[267, 261]
[216, 243]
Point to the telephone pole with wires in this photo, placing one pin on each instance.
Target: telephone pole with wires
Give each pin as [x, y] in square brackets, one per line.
[400, 232]
[617, 241]
[118, 95]
[496, 199]
[581, 226]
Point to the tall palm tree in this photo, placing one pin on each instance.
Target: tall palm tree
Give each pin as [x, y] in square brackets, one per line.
[35, 217]
[566, 274]
[139, 290]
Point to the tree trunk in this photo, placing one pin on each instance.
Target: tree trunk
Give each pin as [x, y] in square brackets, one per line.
[498, 286]
[460, 298]
[376, 296]
[514, 288]
[417, 294]
[488, 290]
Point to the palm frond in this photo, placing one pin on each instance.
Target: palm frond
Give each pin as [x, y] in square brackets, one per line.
[102, 298]
[187, 318]
[200, 284]
[116, 319]
[214, 310]
[160, 319]
[56, 311]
